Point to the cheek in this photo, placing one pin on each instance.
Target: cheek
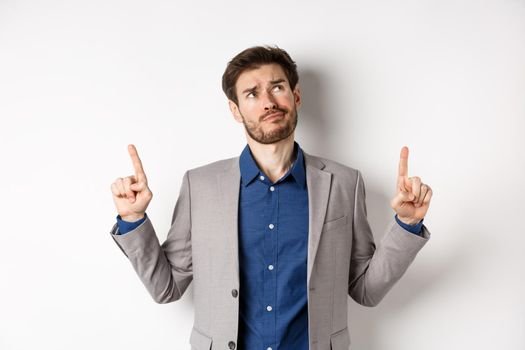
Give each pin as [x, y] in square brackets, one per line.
[286, 101]
[249, 113]
[248, 107]
[253, 108]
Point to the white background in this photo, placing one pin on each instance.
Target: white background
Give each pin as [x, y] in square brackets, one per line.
[80, 80]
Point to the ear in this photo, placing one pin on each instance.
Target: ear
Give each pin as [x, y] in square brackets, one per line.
[297, 95]
[235, 111]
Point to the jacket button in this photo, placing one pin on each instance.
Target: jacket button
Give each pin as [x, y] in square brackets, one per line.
[231, 345]
[235, 293]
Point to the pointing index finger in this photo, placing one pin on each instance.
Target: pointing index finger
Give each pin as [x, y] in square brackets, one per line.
[403, 162]
[137, 164]
[403, 167]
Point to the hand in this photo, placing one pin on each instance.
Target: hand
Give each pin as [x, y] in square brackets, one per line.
[131, 194]
[412, 196]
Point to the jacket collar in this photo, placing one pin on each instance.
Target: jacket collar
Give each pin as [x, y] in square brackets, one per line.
[250, 170]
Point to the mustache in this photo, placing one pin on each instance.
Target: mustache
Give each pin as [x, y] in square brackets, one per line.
[276, 110]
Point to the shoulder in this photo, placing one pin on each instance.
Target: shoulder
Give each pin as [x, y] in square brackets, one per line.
[210, 170]
[338, 169]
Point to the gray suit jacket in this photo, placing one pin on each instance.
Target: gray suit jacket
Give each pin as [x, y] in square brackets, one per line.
[202, 245]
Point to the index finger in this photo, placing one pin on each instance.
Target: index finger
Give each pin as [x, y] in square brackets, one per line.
[403, 166]
[137, 164]
[403, 162]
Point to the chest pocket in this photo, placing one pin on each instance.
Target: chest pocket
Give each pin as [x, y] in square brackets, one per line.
[333, 224]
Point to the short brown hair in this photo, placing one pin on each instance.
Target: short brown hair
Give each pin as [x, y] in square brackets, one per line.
[252, 58]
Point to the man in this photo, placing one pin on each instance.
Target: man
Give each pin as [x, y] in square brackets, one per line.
[276, 239]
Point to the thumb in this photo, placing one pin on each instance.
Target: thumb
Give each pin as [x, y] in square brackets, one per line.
[402, 197]
[138, 186]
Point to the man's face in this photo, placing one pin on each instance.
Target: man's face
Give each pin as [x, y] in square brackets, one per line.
[267, 105]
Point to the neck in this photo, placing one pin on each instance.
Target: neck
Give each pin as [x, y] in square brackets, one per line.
[273, 159]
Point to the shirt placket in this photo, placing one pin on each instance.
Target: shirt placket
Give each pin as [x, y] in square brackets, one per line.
[270, 260]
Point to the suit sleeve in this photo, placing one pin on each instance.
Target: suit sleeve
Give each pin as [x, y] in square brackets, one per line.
[126, 226]
[165, 270]
[374, 271]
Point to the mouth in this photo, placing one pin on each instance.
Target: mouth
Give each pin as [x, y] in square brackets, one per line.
[277, 115]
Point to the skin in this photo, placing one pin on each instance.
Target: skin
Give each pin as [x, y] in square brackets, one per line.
[261, 92]
[412, 198]
[131, 194]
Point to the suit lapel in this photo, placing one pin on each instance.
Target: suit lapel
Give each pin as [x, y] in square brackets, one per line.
[228, 183]
[318, 183]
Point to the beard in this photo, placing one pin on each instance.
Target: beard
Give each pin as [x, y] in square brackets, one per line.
[256, 132]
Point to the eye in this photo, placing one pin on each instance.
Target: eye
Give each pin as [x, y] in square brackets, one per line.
[250, 93]
[278, 86]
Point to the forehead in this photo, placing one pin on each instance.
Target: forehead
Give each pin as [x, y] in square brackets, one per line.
[262, 75]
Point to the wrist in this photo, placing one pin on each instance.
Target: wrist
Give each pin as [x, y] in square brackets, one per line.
[408, 221]
[132, 218]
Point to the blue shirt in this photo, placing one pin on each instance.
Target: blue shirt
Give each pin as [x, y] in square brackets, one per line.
[273, 251]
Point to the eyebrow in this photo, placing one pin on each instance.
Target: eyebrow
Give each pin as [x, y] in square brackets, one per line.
[273, 82]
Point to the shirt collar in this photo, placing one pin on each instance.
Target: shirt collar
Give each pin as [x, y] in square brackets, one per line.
[249, 168]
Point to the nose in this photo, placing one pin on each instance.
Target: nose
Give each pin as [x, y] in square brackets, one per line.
[269, 102]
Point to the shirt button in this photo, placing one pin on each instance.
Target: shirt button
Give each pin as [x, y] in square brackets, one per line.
[269, 308]
[269, 348]
[261, 177]
[271, 226]
[270, 267]
[235, 293]
[231, 345]
[272, 188]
